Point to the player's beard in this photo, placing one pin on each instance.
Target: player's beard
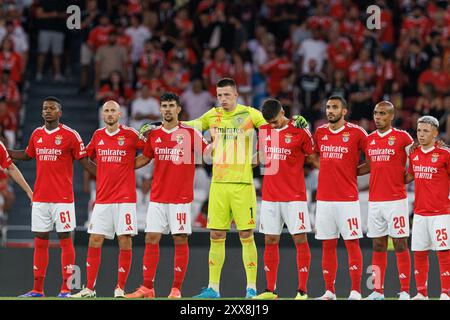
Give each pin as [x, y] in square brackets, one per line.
[111, 122]
[336, 119]
[168, 118]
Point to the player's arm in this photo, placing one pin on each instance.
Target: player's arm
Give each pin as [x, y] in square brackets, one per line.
[364, 168]
[89, 165]
[17, 176]
[409, 177]
[314, 160]
[201, 124]
[141, 161]
[19, 155]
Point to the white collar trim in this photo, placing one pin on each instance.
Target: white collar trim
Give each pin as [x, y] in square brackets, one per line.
[171, 130]
[281, 129]
[428, 150]
[384, 134]
[112, 133]
[51, 131]
[338, 130]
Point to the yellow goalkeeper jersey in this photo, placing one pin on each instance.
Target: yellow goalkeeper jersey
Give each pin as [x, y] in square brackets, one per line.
[233, 135]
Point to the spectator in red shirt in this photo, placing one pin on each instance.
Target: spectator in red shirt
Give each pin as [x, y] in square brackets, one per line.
[439, 78]
[8, 122]
[153, 57]
[416, 20]
[176, 77]
[96, 38]
[320, 19]
[216, 69]
[362, 63]
[352, 28]
[277, 68]
[339, 51]
[10, 91]
[242, 73]
[11, 60]
[115, 89]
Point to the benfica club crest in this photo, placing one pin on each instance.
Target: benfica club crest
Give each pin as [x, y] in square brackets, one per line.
[179, 138]
[391, 140]
[239, 120]
[288, 138]
[346, 136]
[434, 157]
[121, 140]
[58, 140]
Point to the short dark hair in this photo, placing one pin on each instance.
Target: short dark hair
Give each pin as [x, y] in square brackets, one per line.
[54, 99]
[170, 96]
[270, 109]
[341, 99]
[225, 82]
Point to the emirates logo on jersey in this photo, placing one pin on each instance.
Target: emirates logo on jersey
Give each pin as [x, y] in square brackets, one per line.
[391, 140]
[121, 140]
[346, 136]
[288, 138]
[179, 138]
[58, 140]
[434, 157]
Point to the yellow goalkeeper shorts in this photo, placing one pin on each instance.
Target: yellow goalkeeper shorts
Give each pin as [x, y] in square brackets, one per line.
[232, 201]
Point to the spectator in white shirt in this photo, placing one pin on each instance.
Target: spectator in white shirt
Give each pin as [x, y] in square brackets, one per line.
[139, 34]
[145, 108]
[196, 100]
[314, 48]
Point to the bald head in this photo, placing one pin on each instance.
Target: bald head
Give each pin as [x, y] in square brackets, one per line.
[383, 114]
[111, 112]
[387, 105]
[111, 104]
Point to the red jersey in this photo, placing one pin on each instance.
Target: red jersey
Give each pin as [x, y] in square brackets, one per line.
[440, 80]
[12, 61]
[340, 54]
[284, 150]
[5, 159]
[431, 170]
[276, 70]
[387, 155]
[114, 154]
[8, 121]
[339, 159]
[99, 36]
[54, 151]
[173, 151]
[213, 71]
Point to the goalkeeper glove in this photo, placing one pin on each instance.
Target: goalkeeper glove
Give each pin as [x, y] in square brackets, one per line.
[149, 126]
[300, 122]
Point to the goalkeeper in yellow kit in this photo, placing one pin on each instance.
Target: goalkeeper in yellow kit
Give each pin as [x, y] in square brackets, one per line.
[232, 193]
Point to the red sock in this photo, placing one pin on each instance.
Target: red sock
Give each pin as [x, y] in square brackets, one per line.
[67, 261]
[94, 258]
[271, 261]
[180, 263]
[355, 263]
[151, 259]
[444, 269]
[379, 263]
[329, 263]
[303, 262]
[40, 263]
[125, 257]
[404, 269]
[421, 267]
